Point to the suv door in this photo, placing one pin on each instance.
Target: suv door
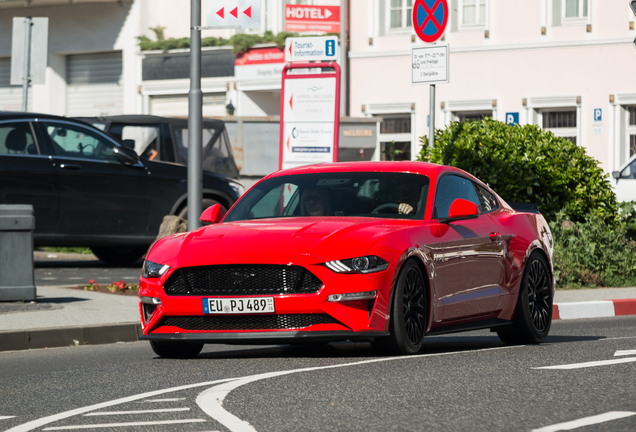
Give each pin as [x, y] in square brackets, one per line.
[27, 175]
[470, 269]
[626, 183]
[102, 201]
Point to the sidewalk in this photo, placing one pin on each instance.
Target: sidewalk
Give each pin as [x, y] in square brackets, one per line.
[66, 317]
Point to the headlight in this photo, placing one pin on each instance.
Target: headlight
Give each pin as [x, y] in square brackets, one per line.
[238, 188]
[153, 270]
[365, 264]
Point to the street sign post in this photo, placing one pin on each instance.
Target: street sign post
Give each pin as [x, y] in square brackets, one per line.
[429, 22]
[231, 14]
[29, 53]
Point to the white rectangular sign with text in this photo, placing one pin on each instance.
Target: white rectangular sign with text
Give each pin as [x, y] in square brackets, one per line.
[429, 65]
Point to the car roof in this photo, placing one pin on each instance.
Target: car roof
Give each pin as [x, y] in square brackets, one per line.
[414, 167]
[12, 115]
[142, 119]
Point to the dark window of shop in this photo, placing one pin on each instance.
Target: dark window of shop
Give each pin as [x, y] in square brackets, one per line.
[560, 120]
[473, 116]
[396, 124]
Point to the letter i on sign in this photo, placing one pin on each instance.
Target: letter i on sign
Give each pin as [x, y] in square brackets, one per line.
[330, 48]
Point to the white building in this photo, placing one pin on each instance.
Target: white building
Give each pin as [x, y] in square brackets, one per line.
[554, 62]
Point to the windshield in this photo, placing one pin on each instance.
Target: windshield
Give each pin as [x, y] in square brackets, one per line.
[384, 195]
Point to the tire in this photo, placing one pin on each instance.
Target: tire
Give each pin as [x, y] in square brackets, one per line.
[176, 350]
[533, 313]
[207, 202]
[119, 255]
[409, 314]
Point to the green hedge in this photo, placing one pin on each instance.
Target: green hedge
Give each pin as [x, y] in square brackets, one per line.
[593, 253]
[241, 42]
[527, 164]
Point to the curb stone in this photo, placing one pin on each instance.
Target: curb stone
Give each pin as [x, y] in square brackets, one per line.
[594, 309]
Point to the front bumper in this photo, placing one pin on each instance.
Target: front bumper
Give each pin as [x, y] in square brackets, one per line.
[348, 320]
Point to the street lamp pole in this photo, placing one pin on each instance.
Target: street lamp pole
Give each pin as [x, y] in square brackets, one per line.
[195, 120]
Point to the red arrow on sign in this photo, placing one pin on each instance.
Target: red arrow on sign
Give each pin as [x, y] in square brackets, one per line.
[248, 11]
[234, 12]
[291, 102]
[221, 13]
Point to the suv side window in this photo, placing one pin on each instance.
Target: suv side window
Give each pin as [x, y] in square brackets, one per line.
[17, 138]
[449, 188]
[488, 202]
[630, 171]
[75, 141]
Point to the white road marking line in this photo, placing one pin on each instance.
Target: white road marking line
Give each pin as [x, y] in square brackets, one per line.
[590, 364]
[586, 421]
[137, 411]
[49, 278]
[34, 424]
[211, 400]
[110, 425]
[619, 338]
[161, 400]
[624, 352]
[76, 278]
[6, 417]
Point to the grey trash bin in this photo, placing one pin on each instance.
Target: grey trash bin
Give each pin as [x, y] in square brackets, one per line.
[16, 252]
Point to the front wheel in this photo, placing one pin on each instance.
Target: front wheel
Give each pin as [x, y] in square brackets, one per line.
[176, 350]
[533, 314]
[408, 314]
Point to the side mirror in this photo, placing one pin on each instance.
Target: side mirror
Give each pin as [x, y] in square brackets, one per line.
[212, 214]
[616, 174]
[129, 144]
[461, 209]
[126, 155]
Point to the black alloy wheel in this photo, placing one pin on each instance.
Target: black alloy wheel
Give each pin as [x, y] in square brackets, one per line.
[409, 313]
[176, 350]
[533, 313]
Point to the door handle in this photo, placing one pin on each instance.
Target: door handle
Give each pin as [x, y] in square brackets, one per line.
[72, 167]
[494, 236]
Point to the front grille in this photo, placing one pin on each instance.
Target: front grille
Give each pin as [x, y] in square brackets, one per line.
[247, 322]
[240, 280]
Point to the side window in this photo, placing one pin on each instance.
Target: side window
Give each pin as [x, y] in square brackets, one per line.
[281, 200]
[449, 188]
[17, 138]
[76, 141]
[488, 202]
[146, 138]
[630, 171]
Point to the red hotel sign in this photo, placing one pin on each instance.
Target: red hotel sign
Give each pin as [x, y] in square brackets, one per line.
[312, 18]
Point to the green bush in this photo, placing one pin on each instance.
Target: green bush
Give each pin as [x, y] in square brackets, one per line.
[592, 253]
[527, 164]
[241, 42]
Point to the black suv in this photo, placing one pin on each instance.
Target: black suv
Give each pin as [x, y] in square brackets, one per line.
[87, 189]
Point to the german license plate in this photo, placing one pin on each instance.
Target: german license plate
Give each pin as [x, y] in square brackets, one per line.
[238, 305]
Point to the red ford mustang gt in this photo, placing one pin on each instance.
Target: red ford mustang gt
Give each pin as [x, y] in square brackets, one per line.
[386, 252]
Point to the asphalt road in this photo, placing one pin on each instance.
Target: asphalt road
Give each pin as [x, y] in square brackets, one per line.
[465, 382]
[74, 269]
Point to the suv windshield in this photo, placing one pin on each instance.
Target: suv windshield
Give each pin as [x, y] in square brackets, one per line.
[385, 195]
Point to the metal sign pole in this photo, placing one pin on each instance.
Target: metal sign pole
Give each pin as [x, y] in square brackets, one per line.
[195, 120]
[431, 119]
[27, 63]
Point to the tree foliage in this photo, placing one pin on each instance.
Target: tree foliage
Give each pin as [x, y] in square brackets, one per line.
[527, 164]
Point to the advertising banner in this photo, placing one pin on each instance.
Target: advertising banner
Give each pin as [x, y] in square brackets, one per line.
[260, 63]
[300, 18]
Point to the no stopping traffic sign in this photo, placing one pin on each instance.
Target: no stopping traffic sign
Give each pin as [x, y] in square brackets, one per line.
[429, 19]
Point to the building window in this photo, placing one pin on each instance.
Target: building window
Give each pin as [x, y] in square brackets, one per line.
[561, 123]
[467, 116]
[401, 12]
[473, 13]
[631, 130]
[576, 9]
[395, 137]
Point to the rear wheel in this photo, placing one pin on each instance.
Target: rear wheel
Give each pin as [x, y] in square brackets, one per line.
[207, 202]
[180, 350]
[119, 255]
[408, 313]
[533, 314]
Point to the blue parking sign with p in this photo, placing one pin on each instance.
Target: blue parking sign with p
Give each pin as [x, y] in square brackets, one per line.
[598, 114]
[512, 118]
[330, 48]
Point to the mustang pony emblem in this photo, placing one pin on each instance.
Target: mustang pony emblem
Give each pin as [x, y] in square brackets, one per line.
[238, 277]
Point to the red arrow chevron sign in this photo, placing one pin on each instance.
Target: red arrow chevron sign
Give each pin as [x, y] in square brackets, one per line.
[245, 14]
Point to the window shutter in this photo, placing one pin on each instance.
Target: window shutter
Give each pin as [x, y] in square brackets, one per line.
[454, 14]
[556, 12]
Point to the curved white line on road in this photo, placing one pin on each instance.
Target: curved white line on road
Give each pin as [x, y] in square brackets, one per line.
[55, 417]
[127, 424]
[211, 400]
[151, 411]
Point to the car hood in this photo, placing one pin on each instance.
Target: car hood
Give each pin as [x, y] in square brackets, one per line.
[274, 241]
